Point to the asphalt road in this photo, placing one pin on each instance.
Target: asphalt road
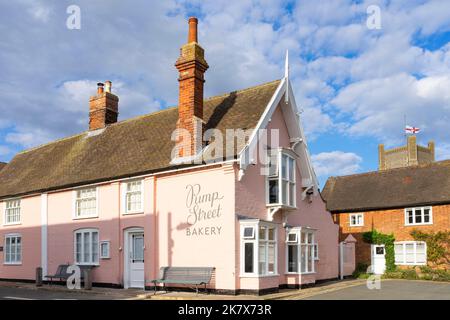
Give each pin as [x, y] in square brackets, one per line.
[12, 293]
[391, 290]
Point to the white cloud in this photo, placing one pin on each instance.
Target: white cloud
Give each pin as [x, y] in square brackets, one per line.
[336, 163]
[378, 106]
[4, 150]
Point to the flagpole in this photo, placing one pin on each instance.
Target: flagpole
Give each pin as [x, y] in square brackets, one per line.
[404, 129]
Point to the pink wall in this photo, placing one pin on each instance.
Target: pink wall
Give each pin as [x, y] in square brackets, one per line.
[31, 237]
[178, 245]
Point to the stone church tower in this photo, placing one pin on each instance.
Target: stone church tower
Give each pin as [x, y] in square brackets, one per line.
[405, 156]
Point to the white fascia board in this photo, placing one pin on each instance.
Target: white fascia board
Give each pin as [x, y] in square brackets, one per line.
[311, 180]
[295, 130]
[249, 149]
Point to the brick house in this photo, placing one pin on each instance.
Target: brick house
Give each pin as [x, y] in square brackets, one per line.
[395, 200]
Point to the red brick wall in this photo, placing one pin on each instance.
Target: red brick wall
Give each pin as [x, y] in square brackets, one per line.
[388, 221]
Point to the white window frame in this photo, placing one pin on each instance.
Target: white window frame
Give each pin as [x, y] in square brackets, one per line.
[75, 215]
[6, 209]
[359, 219]
[280, 153]
[125, 193]
[82, 232]
[415, 263]
[106, 243]
[6, 248]
[256, 224]
[422, 209]
[312, 247]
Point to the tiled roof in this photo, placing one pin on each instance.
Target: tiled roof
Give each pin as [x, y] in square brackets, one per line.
[124, 149]
[394, 188]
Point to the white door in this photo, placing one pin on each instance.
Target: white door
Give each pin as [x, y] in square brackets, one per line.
[378, 259]
[136, 260]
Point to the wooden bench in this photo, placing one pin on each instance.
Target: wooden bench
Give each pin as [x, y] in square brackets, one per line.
[62, 274]
[194, 276]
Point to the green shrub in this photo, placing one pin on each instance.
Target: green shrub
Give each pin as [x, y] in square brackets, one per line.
[360, 270]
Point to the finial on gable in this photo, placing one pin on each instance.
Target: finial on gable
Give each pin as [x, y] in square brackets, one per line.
[286, 66]
[286, 77]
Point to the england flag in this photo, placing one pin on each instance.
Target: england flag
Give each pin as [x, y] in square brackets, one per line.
[412, 130]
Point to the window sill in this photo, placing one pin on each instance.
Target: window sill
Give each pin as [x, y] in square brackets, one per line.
[418, 224]
[12, 263]
[259, 275]
[88, 264]
[411, 264]
[282, 206]
[85, 217]
[12, 224]
[356, 225]
[300, 273]
[133, 212]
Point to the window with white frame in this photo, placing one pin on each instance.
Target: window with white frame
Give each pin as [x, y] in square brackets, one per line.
[86, 202]
[292, 243]
[410, 253]
[104, 249]
[281, 187]
[12, 211]
[133, 197]
[13, 249]
[418, 216]
[307, 251]
[267, 247]
[258, 249]
[356, 220]
[86, 246]
[302, 251]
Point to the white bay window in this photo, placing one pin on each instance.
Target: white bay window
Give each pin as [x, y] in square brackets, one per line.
[258, 249]
[301, 251]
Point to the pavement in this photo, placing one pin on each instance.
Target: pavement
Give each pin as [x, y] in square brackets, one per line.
[28, 291]
[391, 290]
[336, 290]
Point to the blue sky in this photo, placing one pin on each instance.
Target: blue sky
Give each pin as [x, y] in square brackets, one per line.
[354, 84]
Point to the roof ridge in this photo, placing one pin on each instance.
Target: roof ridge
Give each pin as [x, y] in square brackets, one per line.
[146, 115]
[243, 90]
[387, 171]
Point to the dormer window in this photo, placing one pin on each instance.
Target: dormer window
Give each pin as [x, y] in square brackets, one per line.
[281, 188]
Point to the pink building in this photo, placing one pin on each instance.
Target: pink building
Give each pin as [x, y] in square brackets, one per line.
[130, 197]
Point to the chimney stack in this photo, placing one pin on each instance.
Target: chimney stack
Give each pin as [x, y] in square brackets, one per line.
[104, 107]
[191, 66]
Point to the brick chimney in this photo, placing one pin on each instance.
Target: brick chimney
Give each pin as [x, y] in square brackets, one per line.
[104, 107]
[191, 66]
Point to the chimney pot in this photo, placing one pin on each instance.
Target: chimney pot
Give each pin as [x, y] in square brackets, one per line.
[100, 88]
[192, 37]
[108, 86]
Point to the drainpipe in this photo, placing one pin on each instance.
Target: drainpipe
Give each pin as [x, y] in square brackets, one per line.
[341, 260]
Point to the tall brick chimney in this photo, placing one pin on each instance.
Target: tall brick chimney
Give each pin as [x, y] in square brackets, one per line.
[104, 107]
[191, 66]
